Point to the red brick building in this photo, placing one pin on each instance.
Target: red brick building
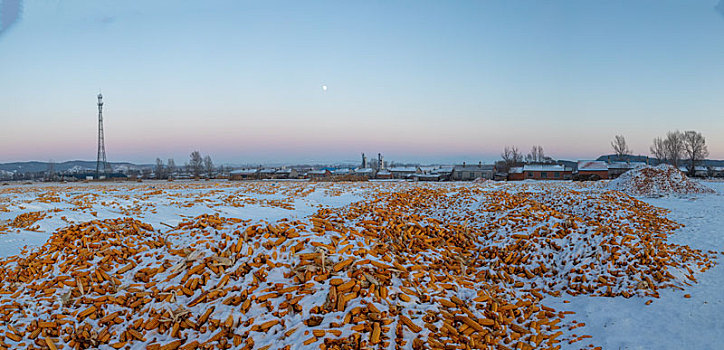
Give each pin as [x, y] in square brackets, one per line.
[516, 174]
[545, 172]
[592, 170]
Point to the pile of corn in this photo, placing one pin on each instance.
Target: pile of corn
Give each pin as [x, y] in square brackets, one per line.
[26, 221]
[419, 267]
[661, 180]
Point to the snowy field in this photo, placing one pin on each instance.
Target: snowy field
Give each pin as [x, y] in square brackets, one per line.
[375, 264]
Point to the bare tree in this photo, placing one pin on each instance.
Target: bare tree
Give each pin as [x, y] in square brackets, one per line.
[670, 149]
[620, 147]
[694, 148]
[536, 155]
[196, 163]
[160, 169]
[171, 167]
[51, 171]
[146, 173]
[658, 149]
[511, 156]
[674, 147]
[209, 166]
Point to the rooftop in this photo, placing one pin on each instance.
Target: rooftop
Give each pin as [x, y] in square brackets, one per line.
[244, 171]
[408, 169]
[543, 167]
[592, 165]
[473, 167]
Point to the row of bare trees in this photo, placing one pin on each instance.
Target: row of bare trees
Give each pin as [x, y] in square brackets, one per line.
[198, 165]
[688, 147]
[165, 171]
[675, 149]
[512, 156]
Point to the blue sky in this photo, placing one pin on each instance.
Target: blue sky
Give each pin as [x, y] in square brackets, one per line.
[429, 81]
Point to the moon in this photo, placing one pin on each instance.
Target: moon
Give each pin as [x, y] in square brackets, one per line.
[324, 88]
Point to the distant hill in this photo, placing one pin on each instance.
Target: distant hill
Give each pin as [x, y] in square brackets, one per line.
[35, 167]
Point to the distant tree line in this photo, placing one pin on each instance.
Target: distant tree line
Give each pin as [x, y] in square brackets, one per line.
[512, 157]
[197, 166]
[677, 148]
[686, 148]
[167, 171]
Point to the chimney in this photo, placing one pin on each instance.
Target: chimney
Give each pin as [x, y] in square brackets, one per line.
[463, 164]
[480, 164]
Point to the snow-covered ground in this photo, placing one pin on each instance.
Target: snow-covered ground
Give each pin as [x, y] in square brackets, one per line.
[671, 321]
[30, 214]
[159, 203]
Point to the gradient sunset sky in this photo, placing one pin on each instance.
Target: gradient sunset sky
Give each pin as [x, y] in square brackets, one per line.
[423, 81]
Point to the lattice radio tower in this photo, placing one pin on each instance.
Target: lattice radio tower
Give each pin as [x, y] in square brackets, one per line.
[102, 168]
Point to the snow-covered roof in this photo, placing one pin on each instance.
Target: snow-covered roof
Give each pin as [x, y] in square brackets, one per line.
[317, 172]
[543, 167]
[426, 176]
[443, 170]
[516, 170]
[244, 171]
[78, 169]
[408, 169]
[284, 171]
[268, 171]
[340, 171]
[474, 167]
[365, 171]
[592, 165]
[685, 169]
[717, 168]
[625, 165]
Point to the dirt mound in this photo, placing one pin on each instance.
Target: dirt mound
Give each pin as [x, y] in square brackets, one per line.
[661, 180]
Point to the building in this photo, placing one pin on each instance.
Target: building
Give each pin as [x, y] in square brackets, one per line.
[615, 169]
[426, 177]
[244, 174]
[341, 172]
[365, 172]
[318, 174]
[404, 172]
[286, 174]
[592, 170]
[467, 172]
[267, 173]
[384, 175]
[717, 171]
[445, 172]
[546, 172]
[516, 174]
[701, 171]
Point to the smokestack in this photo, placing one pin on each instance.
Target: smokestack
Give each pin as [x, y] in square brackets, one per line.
[463, 164]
